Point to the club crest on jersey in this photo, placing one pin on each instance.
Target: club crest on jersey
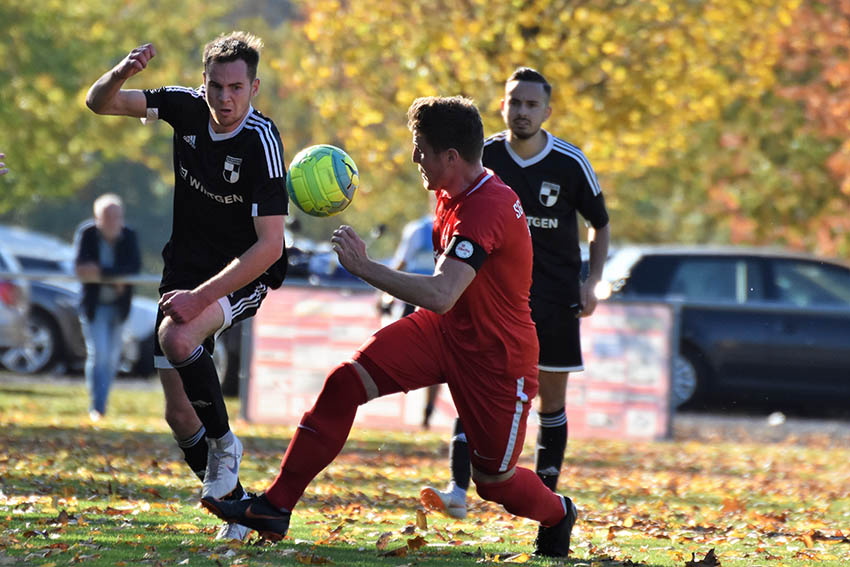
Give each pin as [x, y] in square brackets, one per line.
[549, 193]
[231, 169]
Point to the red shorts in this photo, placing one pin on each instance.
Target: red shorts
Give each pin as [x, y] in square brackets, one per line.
[413, 353]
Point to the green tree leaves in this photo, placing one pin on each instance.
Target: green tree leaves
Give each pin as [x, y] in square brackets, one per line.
[52, 54]
[688, 111]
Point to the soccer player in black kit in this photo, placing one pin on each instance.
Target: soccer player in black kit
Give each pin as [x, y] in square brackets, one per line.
[554, 180]
[227, 241]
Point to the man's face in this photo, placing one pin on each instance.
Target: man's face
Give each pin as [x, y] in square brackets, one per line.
[110, 221]
[432, 165]
[525, 108]
[229, 93]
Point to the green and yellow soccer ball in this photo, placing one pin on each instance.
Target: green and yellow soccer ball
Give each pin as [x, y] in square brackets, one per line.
[322, 180]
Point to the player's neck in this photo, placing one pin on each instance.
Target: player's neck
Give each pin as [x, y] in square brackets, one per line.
[466, 176]
[528, 147]
[222, 130]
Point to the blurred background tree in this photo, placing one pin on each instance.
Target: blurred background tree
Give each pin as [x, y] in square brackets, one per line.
[706, 121]
[62, 156]
[632, 80]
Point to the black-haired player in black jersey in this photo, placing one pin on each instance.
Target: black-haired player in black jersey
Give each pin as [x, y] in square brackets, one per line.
[554, 181]
[226, 246]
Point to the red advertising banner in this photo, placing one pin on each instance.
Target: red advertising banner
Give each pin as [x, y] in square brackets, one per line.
[302, 332]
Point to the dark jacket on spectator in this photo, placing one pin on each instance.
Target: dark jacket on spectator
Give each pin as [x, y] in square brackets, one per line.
[127, 261]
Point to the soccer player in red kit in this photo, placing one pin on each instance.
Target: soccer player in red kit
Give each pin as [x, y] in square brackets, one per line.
[555, 183]
[474, 332]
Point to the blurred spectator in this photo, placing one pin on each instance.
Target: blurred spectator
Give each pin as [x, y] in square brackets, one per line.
[3, 169]
[415, 254]
[106, 250]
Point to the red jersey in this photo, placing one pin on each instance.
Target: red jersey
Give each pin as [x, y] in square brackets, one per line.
[491, 321]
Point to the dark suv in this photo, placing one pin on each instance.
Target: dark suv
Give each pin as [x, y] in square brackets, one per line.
[755, 325]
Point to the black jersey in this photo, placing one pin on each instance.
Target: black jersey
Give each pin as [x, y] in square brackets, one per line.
[552, 186]
[221, 182]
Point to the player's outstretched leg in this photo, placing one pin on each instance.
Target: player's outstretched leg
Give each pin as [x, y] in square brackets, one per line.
[256, 512]
[318, 439]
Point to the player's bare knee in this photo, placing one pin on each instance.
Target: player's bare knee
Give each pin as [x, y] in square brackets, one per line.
[176, 345]
[550, 403]
[552, 394]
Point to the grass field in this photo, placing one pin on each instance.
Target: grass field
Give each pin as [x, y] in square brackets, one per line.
[117, 493]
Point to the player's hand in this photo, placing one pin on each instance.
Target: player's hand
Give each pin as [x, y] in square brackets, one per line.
[182, 305]
[136, 61]
[350, 249]
[588, 298]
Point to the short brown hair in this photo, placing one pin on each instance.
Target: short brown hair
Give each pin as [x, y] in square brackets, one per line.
[448, 122]
[532, 76]
[232, 47]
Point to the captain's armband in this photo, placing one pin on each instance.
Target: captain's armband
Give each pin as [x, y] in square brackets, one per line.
[466, 250]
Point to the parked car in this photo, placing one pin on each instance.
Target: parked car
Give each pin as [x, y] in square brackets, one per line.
[755, 325]
[54, 338]
[14, 302]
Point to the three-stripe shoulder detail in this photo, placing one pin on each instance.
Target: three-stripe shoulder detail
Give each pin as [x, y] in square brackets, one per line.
[197, 93]
[575, 153]
[500, 137]
[270, 142]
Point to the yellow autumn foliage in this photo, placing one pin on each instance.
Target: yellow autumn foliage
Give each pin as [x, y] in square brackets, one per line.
[629, 78]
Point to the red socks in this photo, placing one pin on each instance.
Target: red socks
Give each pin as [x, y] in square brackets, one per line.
[320, 436]
[524, 494]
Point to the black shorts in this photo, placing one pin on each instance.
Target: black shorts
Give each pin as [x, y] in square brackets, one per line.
[559, 337]
[241, 304]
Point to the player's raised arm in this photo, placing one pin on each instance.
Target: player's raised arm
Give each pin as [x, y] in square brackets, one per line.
[106, 95]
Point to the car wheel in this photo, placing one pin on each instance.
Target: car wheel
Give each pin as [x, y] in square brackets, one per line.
[689, 378]
[41, 350]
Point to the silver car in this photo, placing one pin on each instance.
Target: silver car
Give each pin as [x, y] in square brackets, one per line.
[53, 336]
[14, 302]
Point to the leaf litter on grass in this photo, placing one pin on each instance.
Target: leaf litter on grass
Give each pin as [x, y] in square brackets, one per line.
[119, 492]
